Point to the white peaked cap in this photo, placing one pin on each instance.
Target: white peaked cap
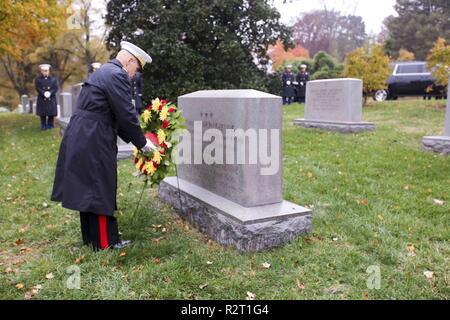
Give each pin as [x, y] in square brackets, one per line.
[303, 66]
[45, 66]
[96, 65]
[142, 56]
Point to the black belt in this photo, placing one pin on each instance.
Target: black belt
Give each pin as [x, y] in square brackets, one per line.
[94, 116]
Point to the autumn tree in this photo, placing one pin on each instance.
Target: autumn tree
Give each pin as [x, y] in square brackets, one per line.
[405, 55]
[23, 23]
[439, 61]
[371, 66]
[417, 25]
[280, 56]
[329, 31]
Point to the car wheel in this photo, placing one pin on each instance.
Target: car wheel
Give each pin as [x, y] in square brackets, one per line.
[380, 95]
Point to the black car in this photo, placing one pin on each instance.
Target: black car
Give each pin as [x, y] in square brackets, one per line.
[410, 79]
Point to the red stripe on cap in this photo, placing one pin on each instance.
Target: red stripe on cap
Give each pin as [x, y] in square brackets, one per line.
[103, 232]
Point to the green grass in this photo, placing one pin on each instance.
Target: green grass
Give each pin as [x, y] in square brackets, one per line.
[372, 195]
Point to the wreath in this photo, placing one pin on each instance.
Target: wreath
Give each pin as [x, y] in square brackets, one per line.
[159, 122]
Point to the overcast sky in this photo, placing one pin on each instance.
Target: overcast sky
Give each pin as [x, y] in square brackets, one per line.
[373, 12]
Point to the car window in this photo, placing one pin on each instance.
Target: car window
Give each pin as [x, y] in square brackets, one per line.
[411, 68]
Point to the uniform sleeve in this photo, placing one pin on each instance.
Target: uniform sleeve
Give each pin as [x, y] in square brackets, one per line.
[140, 85]
[39, 90]
[118, 90]
[54, 88]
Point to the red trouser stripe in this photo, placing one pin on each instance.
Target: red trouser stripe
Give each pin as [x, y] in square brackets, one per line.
[103, 232]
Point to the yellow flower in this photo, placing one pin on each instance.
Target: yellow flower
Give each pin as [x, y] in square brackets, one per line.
[136, 151]
[157, 157]
[150, 168]
[156, 104]
[139, 163]
[146, 116]
[161, 136]
[163, 114]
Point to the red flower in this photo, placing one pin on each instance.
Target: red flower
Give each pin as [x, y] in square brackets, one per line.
[145, 172]
[165, 124]
[136, 160]
[155, 165]
[160, 107]
[172, 109]
[163, 101]
[150, 107]
[142, 165]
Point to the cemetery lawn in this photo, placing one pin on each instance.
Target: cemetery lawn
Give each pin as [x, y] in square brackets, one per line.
[378, 201]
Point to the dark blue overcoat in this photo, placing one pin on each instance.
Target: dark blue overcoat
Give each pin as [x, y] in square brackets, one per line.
[288, 84]
[86, 170]
[46, 106]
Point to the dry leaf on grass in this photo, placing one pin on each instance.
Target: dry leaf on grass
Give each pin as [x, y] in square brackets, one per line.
[20, 286]
[250, 296]
[122, 254]
[266, 265]
[438, 202]
[411, 250]
[49, 276]
[203, 286]
[300, 285]
[429, 274]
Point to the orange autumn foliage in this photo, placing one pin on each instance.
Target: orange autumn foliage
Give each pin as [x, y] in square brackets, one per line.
[279, 56]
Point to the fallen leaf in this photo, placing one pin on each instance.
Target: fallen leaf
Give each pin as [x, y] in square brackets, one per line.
[363, 202]
[250, 296]
[266, 265]
[438, 202]
[429, 274]
[20, 286]
[310, 175]
[157, 261]
[300, 285]
[19, 242]
[49, 276]
[203, 286]
[34, 291]
[335, 239]
[380, 217]
[365, 296]
[122, 254]
[411, 250]
[209, 263]
[79, 260]
[8, 270]
[45, 204]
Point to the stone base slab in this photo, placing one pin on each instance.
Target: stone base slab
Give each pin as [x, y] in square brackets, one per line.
[344, 127]
[438, 144]
[247, 229]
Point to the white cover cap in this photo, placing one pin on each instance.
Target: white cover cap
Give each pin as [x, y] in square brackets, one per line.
[142, 56]
[44, 66]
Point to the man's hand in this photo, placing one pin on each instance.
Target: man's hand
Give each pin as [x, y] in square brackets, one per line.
[47, 94]
[149, 146]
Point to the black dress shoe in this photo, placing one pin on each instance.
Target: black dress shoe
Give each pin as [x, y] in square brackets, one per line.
[122, 244]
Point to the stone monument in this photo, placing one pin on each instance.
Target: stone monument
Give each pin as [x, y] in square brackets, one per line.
[234, 193]
[334, 105]
[440, 144]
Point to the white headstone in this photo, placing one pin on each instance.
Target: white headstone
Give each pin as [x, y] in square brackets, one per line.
[229, 189]
[335, 105]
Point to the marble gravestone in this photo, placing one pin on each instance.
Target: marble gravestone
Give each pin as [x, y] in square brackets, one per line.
[440, 144]
[236, 202]
[334, 105]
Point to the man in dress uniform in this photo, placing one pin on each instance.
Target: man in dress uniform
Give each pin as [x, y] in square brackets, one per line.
[46, 87]
[288, 79]
[86, 171]
[136, 88]
[302, 80]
